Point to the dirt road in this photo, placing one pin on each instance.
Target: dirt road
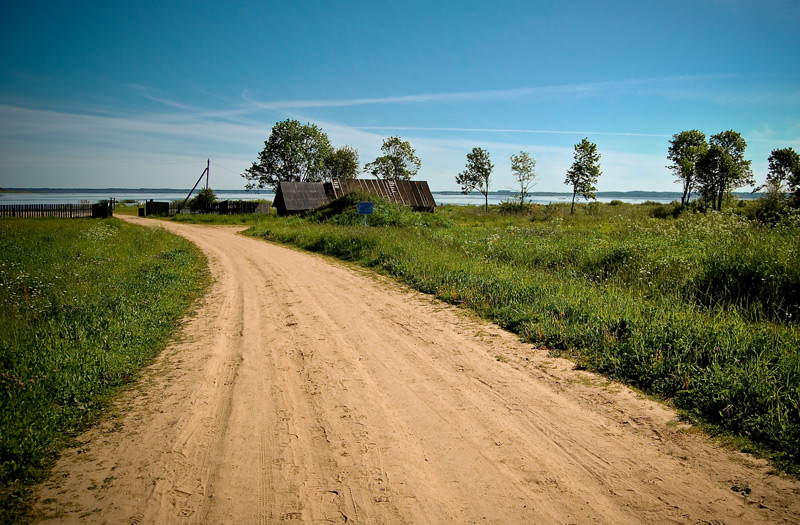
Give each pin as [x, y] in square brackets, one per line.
[304, 390]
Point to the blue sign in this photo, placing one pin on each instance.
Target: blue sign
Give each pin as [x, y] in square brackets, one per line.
[365, 208]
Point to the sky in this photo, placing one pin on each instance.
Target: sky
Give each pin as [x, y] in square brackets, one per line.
[140, 94]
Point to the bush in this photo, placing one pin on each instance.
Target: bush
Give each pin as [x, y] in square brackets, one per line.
[512, 208]
[544, 212]
[344, 212]
[671, 210]
[771, 208]
[203, 201]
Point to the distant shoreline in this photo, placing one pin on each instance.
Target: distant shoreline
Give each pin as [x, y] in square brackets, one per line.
[635, 194]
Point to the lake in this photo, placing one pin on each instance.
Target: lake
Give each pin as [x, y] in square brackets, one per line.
[76, 196]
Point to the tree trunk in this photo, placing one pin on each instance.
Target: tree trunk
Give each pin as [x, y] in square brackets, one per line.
[486, 196]
[572, 209]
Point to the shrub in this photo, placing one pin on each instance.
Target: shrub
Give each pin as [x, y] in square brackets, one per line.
[512, 208]
[671, 210]
[203, 201]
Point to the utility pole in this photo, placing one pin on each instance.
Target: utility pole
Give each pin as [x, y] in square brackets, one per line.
[204, 174]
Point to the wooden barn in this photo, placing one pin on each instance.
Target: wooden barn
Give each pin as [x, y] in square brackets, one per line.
[297, 197]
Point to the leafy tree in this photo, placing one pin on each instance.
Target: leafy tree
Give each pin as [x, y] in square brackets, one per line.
[477, 173]
[685, 149]
[293, 152]
[343, 163]
[584, 172]
[723, 167]
[203, 201]
[784, 169]
[398, 161]
[523, 166]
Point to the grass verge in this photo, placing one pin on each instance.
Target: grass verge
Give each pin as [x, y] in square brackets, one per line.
[699, 309]
[84, 304]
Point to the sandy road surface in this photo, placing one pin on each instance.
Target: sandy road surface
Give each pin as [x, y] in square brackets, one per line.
[303, 390]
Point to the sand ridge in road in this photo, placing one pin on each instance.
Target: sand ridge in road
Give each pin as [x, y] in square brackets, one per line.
[304, 390]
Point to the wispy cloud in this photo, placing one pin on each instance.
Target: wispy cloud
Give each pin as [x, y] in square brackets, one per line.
[533, 131]
[70, 126]
[531, 92]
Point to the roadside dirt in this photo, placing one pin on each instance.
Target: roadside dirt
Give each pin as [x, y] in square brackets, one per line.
[304, 390]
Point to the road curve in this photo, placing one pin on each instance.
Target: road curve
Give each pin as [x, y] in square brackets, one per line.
[302, 389]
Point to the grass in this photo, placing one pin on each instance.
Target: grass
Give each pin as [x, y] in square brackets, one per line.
[84, 304]
[210, 218]
[701, 309]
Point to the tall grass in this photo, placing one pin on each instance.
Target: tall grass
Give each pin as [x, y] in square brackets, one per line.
[83, 305]
[701, 309]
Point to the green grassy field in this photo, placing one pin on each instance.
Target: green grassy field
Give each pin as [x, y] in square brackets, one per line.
[84, 304]
[701, 310]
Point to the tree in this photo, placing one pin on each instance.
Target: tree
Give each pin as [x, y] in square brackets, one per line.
[784, 169]
[685, 150]
[723, 167]
[398, 161]
[584, 172]
[477, 173]
[343, 163]
[203, 201]
[523, 166]
[293, 152]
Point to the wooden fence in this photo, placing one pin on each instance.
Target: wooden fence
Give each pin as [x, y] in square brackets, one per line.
[46, 210]
[219, 208]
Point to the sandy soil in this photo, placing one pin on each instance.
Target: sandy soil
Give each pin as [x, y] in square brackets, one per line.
[305, 390]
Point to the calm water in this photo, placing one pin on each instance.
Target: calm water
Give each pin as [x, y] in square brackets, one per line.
[446, 197]
[78, 196]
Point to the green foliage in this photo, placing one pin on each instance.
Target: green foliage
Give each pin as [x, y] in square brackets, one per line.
[203, 201]
[477, 173]
[293, 152]
[701, 309]
[523, 166]
[344, 212]
[784, 169]
[685, 150]
[670, 210]
[513, 208]
[343, 163]
[83, 305]
[584, 172]
[772, 207]
[723, 168]
[214, 218]
[398, 161]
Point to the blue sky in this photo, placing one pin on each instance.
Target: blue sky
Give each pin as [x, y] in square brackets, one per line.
[139, 94]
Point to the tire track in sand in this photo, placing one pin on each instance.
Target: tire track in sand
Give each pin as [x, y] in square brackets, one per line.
[302, 390]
